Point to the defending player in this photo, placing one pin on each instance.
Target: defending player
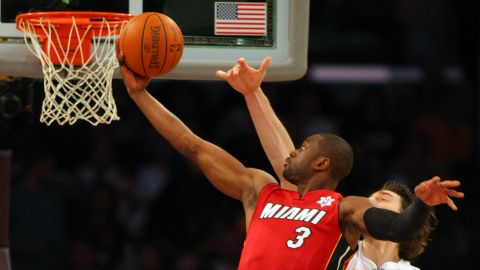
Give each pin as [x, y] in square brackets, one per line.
[377, 254]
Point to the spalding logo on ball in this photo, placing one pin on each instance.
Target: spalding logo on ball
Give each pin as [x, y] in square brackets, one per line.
[152, 44]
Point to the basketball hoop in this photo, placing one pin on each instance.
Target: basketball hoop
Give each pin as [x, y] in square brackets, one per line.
[77, 52]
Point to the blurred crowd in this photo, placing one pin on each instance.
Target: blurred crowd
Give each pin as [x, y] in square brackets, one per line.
[119, 197]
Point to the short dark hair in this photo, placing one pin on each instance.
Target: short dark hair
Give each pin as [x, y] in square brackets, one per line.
[339, 152]
[411, 249]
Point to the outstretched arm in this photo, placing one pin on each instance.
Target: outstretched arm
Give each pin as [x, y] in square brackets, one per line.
[224, 171]
[276, 141]
[388, 225]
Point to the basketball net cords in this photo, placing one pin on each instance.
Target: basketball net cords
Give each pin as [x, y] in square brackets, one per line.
[73, 93]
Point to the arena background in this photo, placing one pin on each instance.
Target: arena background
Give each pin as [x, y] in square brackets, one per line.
[119, 197]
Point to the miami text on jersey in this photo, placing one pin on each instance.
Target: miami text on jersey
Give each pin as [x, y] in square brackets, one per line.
[292, 213]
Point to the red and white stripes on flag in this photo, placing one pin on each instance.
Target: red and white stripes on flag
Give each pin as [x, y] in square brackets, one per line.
[240, 19]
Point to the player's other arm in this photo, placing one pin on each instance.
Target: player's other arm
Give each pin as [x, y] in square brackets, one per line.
[276, 141]
[384, 224]
[224, 171]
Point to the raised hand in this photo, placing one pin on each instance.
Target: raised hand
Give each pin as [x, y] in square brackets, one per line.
[243, 78]
[434, 192]
[133, 82]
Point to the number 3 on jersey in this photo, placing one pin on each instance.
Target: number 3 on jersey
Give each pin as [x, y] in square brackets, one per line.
[303, 232]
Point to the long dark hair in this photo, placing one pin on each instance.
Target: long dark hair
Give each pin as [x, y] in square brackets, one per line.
[411, 249]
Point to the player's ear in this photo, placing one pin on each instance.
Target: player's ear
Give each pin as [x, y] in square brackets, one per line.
[322, 164]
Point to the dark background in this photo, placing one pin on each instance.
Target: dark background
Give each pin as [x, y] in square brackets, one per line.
[119, 197]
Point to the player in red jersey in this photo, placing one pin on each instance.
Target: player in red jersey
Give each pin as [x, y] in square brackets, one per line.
[290, 229]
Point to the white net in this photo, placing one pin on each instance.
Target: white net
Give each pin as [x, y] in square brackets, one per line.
[75, 92]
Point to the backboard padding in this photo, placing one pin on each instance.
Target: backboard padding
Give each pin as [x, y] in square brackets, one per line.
[289, 54]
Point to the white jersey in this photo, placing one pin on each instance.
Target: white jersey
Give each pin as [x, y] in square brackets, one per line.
[360, 262]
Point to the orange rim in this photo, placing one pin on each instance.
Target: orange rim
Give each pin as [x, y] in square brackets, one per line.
[83, 19]
[89, 25]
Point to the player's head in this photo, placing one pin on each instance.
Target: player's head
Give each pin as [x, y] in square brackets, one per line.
[391, 200]
[396, 196]
[322, 153]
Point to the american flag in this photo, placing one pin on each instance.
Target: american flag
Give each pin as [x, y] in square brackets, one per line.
[240, 19]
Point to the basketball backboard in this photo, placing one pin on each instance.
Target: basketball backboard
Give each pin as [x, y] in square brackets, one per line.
[285, 37]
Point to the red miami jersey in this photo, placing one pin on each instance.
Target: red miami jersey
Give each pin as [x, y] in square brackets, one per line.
[289, 231]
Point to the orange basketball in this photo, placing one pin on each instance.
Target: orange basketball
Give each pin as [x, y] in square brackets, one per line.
[152, 44]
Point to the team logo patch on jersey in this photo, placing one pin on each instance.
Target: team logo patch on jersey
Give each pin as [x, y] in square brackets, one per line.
[326, 201]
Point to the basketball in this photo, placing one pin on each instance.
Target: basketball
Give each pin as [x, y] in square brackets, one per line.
[152, 44]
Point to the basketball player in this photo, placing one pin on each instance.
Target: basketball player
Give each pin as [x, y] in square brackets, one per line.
[376, 254]
[371, 253]
[292, 229]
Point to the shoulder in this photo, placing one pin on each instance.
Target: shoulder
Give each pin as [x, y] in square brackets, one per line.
[261, 180]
